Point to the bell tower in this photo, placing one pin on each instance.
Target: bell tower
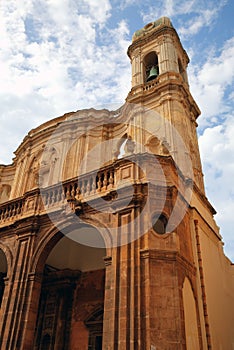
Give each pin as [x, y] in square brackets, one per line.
[173, 293]
[160, 83]
[157, 46]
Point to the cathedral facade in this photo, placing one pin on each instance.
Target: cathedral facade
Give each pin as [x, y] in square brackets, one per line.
[107, 239]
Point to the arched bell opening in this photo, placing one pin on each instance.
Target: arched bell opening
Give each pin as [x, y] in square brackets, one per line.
[151, 67]
[3, 274]
[73, 284]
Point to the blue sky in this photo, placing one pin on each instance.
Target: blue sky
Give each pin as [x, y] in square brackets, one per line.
[58, 56]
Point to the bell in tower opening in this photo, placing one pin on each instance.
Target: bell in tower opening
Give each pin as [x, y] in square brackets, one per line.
[153, 73]
[151, 66]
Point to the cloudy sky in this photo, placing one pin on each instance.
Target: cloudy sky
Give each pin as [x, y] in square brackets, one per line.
[58, 56]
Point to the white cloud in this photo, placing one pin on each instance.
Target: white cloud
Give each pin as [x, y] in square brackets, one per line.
[210, 82]
[50, 54]
[204, 18]
[200, 13]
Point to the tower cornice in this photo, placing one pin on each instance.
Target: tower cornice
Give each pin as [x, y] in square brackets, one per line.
[155, 33]
[168, 83]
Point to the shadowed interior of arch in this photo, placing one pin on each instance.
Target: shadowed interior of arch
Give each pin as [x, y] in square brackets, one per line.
[69, 253]
[72, 288]
[3, 273]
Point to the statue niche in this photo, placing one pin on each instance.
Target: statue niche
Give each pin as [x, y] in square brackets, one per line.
[47, 167]
[41, 169]
[158, 147]
[5, 191]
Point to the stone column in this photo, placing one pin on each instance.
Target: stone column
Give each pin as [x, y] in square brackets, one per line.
[16, 321]
[122, 309]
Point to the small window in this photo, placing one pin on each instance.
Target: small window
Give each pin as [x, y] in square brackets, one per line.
[159, 223]
[95, 326]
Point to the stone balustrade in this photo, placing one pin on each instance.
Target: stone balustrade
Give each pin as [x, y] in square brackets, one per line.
[94, 183]
[90, 185]
[11, 209]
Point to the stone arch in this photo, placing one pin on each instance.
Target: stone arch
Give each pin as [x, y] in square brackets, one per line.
[106, 235]
[9, 257]
[190, 316]
[54, 235]
[62, 277]
[151, 66]
[5, 267]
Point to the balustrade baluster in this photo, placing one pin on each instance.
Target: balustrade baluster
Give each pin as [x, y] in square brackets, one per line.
[6, 213]
[83, 187]
[93, 184]
[60, 194]
[17, 210]
[68, 193]
[105, 181]
[49, 199]
[88, 187]
[111, 180]
[56, 196]
[99, 183]
[78, 191]
[73, 191]
[52, 196]
[64, 193]
[9, 211]
[45, 199]
[13, 209]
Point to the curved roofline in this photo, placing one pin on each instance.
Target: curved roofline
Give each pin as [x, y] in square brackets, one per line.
[87, 114]
[161, 22]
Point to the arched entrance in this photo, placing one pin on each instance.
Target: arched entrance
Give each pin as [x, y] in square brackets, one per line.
[3, 273]
[72, 294]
